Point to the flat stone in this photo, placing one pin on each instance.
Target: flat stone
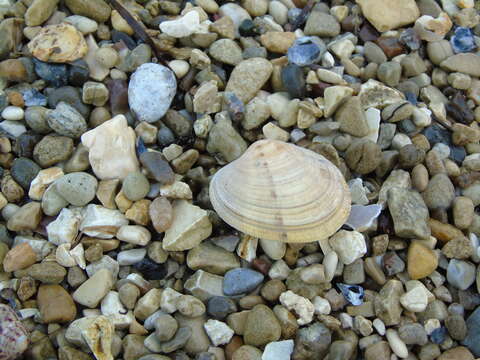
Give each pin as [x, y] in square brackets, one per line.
[467, 63]
[204, 285]
[278, 350]
[389, 14]
[224, 140]
[189, 227]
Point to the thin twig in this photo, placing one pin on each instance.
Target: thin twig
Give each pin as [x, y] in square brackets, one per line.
[138, 28]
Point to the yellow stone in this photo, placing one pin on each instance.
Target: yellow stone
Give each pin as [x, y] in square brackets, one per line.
[421, 261]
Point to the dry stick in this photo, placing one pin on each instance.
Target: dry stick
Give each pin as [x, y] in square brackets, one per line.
[138, 29]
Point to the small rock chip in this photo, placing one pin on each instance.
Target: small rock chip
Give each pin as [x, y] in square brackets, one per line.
[241, 280]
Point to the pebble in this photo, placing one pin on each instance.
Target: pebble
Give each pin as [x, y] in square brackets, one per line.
[439, 193]
[409, 213]
[55, 304]
[240, 281]
[66, 120]
[278, 350]
[24, 170]
[261, 327]
[189, 227]
[111, 149]
[311, 341]
[151, 91]
[421, 261]
[12, 113]
[77, 188]
[306, 50]
[135, 186]
[460, 274]
[218, 332]
[349, 245]
[248, 77]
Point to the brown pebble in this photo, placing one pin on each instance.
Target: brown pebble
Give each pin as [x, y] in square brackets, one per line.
[19, 257]
[55, 304]
[232, 346]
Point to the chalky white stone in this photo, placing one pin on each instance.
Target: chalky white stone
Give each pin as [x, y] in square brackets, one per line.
[13, 113]
[183, 26]
[151, 91]
[218, 332]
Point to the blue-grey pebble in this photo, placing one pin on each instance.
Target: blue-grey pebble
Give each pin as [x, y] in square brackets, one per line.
[24, 170]
[241, 280]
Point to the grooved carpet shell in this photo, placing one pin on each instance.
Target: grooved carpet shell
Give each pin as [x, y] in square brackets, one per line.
[279, 191]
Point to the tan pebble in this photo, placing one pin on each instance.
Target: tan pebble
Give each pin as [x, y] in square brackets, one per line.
[463, 210]
[421, 261]
[277, 41]
[55, 304]
[26, 218]
[420, 177]
[120, 24]
[19, 257]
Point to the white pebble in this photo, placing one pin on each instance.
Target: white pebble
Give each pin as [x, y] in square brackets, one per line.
[179, 67]
[442, 150]
[218, 332]
[396, 344]
[278, 350]
[278, 11]
[400, 140]
[346, 320]
[330, 262]
[83, 24]
[379, 326]
[431, 325]
[134, 234]
[13, 113]
[302, 306]
[130, 257]
[322, 306]
[421, 117]
[168, 301]
[279, 270]
[349, 245]
[183, 26]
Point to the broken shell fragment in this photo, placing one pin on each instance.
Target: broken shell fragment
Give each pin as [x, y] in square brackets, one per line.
[279, 191]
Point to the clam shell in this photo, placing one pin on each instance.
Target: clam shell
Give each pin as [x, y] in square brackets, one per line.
[279, 191]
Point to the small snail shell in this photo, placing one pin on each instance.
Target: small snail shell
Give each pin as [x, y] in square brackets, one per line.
[14, 338]
[279, 191]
